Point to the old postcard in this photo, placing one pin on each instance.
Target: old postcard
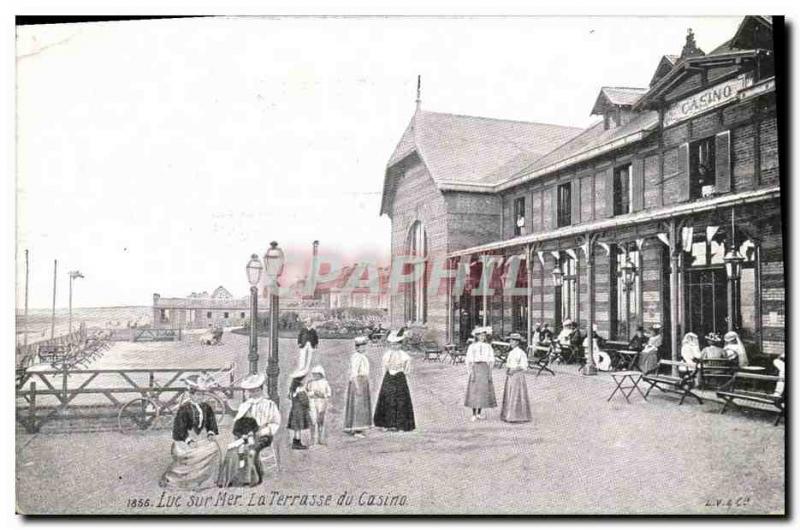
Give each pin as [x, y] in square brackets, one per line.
[400, 266]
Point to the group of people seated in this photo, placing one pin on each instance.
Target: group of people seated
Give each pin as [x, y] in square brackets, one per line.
[730, 347]
[571, 343]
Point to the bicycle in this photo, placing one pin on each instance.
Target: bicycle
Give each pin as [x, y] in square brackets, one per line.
[140, 414]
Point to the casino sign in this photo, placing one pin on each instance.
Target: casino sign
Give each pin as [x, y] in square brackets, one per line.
[706, 100]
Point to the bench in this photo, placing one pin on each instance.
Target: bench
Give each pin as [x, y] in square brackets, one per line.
[732, 391]
[681, 384]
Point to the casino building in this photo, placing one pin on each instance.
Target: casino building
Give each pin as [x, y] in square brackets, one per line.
[667, 210]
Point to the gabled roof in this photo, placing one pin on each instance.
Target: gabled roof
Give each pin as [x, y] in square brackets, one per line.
[458, 149]
[666, 64]
[221, 292]
[616, 96]
[593, 141]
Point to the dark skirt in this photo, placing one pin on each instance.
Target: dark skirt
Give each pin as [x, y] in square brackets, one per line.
[394, 409]
[358, 405]
[516, 406]
[243, 469]
[300, 414]
[480, 389]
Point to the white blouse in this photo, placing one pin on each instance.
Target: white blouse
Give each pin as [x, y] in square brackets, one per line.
[359, 365]
[517, 359]
[395, 361]
[479, 352]
[264, 411]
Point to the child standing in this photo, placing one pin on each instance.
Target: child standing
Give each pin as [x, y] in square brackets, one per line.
[300, 413]
[319, 393]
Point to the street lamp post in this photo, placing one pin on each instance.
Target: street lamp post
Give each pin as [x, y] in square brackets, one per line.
[628, 279]
[733, 269]
[254, 269]
[273, 265]
[72, 275]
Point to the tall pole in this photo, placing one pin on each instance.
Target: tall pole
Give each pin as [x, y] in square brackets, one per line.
[590, 368]
[53, 319]
[25, 338]
[272, 367]
[70, 302]
[673, 291]
[253, 356]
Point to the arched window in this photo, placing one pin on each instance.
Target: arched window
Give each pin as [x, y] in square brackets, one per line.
[416, 302]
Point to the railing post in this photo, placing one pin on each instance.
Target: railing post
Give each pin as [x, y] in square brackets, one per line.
[31, 427]
[64, 387]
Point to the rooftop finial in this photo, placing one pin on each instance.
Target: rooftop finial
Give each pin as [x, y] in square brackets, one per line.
[690, 49]
[419, 91]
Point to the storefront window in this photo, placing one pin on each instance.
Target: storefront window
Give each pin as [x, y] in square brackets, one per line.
[416, 303]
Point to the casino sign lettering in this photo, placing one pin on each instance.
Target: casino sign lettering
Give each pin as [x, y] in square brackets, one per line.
[705, 100]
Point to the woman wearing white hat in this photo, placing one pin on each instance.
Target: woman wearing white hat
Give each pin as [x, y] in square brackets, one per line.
[195, 453]
[358, 405]
[690, 349]
[516, 406]
[479, 361]
[394, 410]
[257, 421]
[734, 349]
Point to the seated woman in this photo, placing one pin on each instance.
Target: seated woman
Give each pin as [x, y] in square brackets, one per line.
[780, 364]
[713, 349]
[690, 349]
[734, 349]
[601, 358]
[195, 453]
[257, 421]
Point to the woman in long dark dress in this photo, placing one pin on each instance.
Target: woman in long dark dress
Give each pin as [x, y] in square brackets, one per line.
[195, 453]
[300, 413]
[395, 410]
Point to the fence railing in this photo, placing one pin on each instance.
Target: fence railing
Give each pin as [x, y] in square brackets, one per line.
[55, 398]
[156, 334]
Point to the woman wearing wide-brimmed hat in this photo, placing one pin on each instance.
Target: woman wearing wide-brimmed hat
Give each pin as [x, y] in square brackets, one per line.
[713, 349]
[480, 361]
[257, 421]
[195, 453]
[300, 413]
[358, 404]
[516, 406]
[394, 410]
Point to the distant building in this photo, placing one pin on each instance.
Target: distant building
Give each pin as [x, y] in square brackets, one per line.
[201, 310]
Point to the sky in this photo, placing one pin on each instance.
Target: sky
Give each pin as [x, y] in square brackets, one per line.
[157, 156]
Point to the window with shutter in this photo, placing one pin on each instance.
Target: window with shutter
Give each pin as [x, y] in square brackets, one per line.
[702, 168]
[723, 162]
[637, 184]
[564, 205]
[682, 177]
[576, 201]
[622, 190]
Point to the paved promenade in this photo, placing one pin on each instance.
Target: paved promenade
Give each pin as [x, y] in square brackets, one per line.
[579, 455]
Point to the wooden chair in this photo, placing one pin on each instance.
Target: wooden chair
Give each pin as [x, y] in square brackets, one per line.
[715, 373]
[431, 351]
[682, 384]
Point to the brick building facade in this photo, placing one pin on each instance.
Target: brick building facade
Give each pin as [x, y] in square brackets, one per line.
[637, 213]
